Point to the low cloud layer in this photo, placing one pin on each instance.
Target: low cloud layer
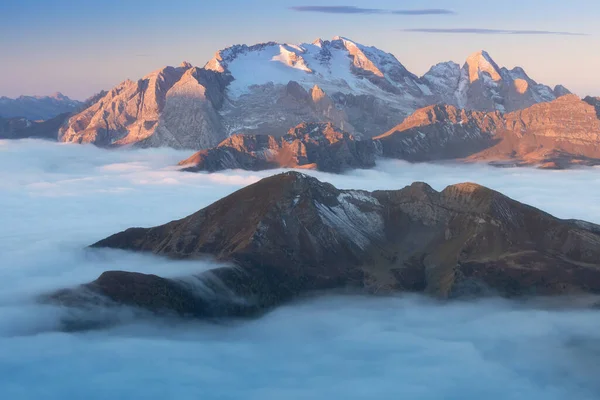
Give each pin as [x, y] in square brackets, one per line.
[477, 31]
[360, 10]
[56, 199]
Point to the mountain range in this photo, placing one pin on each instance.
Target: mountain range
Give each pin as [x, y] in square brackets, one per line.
[271, 87]
[558, 134]
[35, 108]
[290, 235]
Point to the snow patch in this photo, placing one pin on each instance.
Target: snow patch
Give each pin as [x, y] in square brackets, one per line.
[348, 220]
[365, 197]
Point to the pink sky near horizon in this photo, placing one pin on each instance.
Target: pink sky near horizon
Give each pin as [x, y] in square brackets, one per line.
[63, 46]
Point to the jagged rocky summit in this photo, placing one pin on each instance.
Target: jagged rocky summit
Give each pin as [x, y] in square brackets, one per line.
[290, 235]
[308, 145]
[271, 87]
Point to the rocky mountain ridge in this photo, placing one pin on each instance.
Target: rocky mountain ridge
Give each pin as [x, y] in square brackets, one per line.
[290, 234]
[271, 87]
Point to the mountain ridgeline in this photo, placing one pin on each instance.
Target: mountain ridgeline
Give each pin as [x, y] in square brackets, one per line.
[270, 88]
[290, 235]
[38, 108]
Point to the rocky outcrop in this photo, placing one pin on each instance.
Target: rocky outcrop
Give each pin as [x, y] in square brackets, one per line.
[21, 128]
[310, 145]
[290, 235]
[36, 108]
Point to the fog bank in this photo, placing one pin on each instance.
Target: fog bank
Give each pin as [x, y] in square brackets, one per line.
[56, 199]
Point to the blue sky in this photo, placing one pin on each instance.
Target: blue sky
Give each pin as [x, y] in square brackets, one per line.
[81, 47]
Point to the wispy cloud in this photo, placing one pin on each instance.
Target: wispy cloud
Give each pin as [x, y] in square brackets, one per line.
[477, 31]
[426, 11]
[359, 10]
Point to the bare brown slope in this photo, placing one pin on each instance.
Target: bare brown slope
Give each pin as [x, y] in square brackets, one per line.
[291, 234]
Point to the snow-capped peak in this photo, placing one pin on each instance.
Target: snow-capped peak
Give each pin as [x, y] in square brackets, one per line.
[341, 65]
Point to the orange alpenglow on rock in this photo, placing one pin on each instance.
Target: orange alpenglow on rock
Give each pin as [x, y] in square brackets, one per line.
[246, 90]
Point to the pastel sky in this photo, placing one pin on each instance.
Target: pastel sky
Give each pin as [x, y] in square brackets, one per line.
[80, 47]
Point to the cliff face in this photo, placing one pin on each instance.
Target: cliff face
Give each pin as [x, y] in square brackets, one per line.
[176, 107]
[291, 234]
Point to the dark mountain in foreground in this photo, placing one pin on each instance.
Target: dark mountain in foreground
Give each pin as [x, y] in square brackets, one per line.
[557, 134]
[290, 235]
[38, 107]
[309, 145]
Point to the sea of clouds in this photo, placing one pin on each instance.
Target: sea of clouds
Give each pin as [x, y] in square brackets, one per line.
[56, 199]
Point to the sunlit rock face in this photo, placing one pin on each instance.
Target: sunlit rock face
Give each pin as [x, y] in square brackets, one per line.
[175, 107]
[271, 87]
